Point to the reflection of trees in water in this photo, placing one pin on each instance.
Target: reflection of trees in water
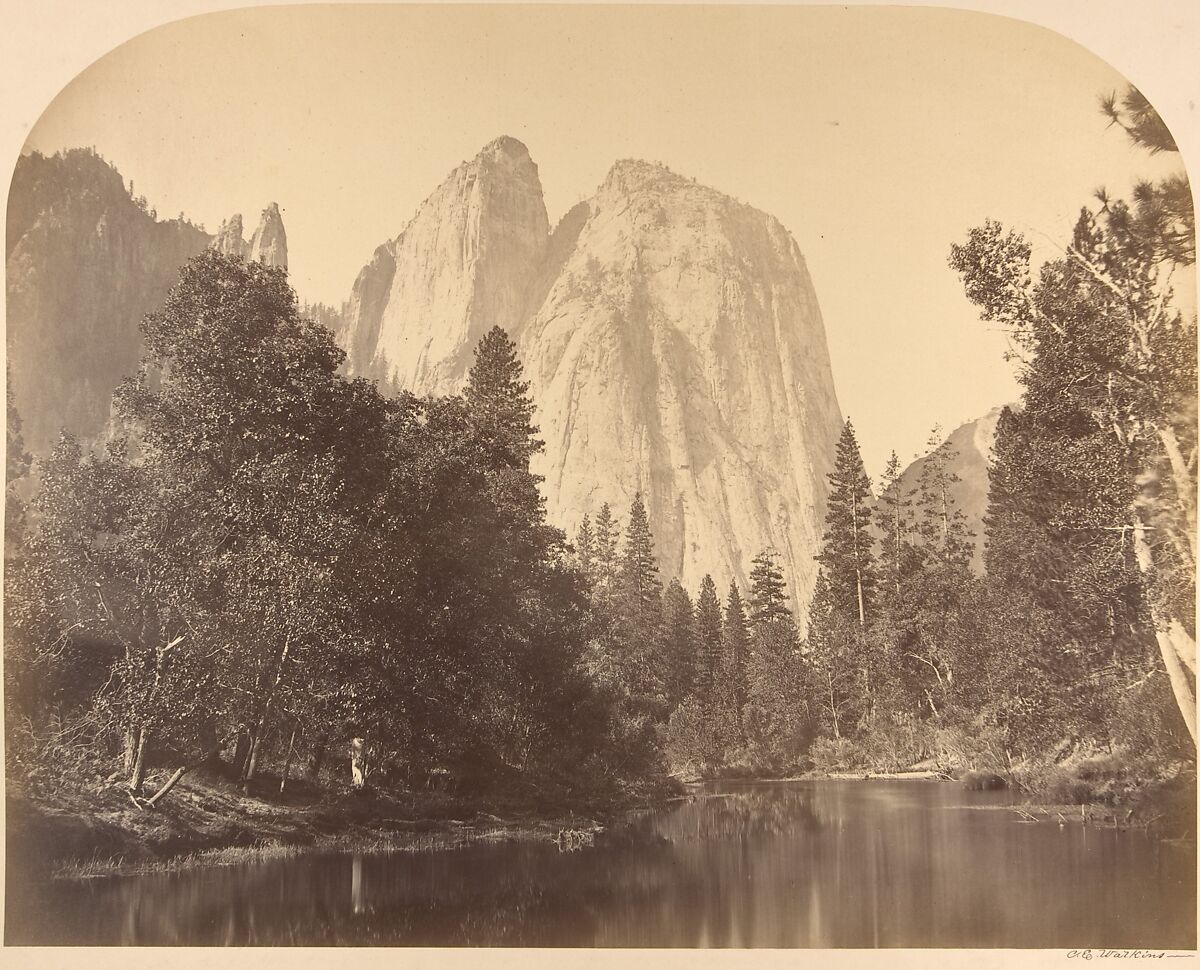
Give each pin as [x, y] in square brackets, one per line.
[835, 866]
[505, 894]
[759, 815]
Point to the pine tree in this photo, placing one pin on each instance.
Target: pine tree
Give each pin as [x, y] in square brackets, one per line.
[892, 519]
[638, 607]
[500, 403]
[768, 602]
[941, 525]
[607, 537]
[679, 644]
[500, 412]
[735, 646]
[585, 549]
[641, 589]
[708, 633]
[1109, 371]
[1161, 219]
[775, 670]
[846, 556]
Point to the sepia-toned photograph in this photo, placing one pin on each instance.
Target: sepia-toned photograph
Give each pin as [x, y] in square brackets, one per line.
[551, 476]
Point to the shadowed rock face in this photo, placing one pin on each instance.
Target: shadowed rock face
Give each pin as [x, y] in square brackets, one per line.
[85, 262]
[671, 337]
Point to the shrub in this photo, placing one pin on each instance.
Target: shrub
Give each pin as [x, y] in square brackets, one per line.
[834, 754]
[895, 742]
[1059, 786]
[695, 742]
[982, 781]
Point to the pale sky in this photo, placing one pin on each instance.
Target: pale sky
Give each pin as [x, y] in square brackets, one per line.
[877, 136]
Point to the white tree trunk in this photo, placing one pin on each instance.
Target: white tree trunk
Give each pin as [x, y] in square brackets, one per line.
[358, 762]
[1177, 648]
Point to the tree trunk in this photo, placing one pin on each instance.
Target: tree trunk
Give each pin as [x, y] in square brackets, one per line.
[182, 770]
[1177, 648]
[862, 616]
[209, 741]
[252, 760]
[171, 783]
[897, 550]
[358, 762]
[287, 763]
[315, 761]
[130, 750]
[241, 752]
[945, 517]
[260, 727]
[1185, 484]
[837, 734]
[137, 776]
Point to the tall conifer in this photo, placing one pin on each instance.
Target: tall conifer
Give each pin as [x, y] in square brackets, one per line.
[735, 644]
[708, 634]
[846, 556]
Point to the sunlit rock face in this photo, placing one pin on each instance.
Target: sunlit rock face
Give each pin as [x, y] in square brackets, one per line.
[671, 336]
[462, 265]
[268, 245]
[85, 262]
[679, 351]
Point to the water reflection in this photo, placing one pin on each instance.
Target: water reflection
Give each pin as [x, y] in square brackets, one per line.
[822, 864]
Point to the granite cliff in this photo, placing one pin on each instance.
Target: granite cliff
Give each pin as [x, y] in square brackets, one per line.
[671, 336]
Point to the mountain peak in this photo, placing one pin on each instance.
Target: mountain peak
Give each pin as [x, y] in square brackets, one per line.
[634, 174]
[671, 337]
[505, 146]
[268, 244]
[463, 264]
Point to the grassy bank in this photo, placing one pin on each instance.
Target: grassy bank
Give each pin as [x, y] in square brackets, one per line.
[94, 829]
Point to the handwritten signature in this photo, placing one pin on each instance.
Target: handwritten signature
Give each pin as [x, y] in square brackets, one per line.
[1122, 954]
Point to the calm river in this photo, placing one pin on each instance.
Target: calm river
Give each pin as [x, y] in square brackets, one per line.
[787, 864]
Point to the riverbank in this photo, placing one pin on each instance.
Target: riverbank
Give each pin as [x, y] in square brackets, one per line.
[97, 830]
[1100, 789]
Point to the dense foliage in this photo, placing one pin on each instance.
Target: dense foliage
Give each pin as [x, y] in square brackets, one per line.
[267, 557]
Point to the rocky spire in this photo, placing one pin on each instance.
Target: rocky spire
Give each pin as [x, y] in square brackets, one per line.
[229, 237]
[269, 243]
